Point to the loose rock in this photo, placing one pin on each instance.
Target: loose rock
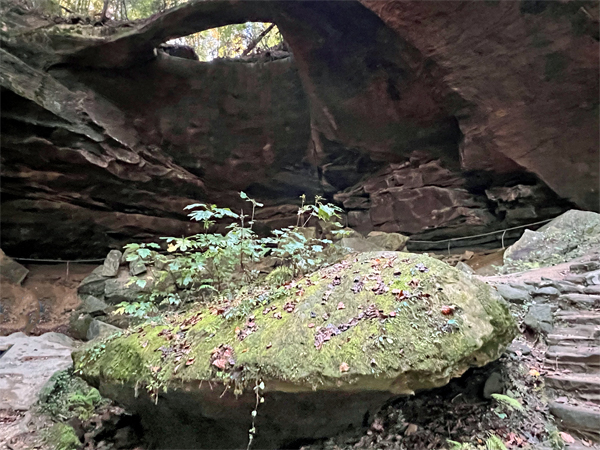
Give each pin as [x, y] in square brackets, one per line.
[100, 330]
[137, 267]
[493, 385]
[539, 319]
[93, 305]
[549, 291]
[11, 270]
[513, 294]
[112, 263]
[388, 241]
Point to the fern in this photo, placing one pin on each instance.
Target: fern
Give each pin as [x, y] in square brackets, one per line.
[495, 443]
[509, 402]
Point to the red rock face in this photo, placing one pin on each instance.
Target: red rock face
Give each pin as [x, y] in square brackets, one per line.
[530, 75]
[430, 118]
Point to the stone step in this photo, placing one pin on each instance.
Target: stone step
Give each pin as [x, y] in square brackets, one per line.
[577, 335]
[593, 290]
[579, 359]
[580, 301]
[585, 387]
[578, 317]
[580, 446]
[581, 418]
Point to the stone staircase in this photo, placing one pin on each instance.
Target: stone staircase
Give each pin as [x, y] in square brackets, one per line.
[572, 360]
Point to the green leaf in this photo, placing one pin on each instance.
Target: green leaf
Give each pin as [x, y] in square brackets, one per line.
[144, 253]
[195, 205]
[511, 403]
[141, 283]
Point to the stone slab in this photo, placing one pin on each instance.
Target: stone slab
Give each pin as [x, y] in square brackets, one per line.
[28, 364]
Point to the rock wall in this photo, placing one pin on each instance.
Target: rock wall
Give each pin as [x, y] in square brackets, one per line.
[528, 72]
[425, 122]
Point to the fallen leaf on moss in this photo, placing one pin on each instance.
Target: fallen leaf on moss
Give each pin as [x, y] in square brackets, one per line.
[447, 310]
[341, 306]
[413, 283]
[344, 367]
[567, 437]
[411, 429]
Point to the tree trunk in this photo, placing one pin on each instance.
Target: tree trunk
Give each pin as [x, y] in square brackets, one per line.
[104, 10]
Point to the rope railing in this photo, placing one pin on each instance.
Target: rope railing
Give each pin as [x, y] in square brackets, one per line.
[59, 260]
[504, 230]
[449, 240]
[490, 233]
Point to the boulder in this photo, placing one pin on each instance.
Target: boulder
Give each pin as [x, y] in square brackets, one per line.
[93, 284]
[493, 385]
[584, 267]
[513, 294]
[519, 348]
[539, 319]
[358, 244]
[388, 241]
[330, 351]
[125, 288]
[121, 289]
[546, 291]
[112, 263]
[563, 239]
[348, 233]
[11, 270]
[101, 330]
[79, 324]
[592, 278]
[93, 306]
[28, 364]
[137, 267]
[464, 267]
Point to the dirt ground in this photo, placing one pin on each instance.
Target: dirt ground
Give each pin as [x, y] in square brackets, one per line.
[44, 301]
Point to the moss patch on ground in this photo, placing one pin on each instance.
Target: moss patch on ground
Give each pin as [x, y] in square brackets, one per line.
[66, 396]
[62, 437]
[383, 321]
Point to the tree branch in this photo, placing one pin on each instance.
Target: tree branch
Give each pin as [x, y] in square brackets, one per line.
[255, 42]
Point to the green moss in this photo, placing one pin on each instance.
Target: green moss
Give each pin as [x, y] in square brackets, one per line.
[412, 337]
[62, 437]
[66, 396]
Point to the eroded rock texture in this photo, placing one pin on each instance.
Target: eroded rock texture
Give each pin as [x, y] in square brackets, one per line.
[434, 119]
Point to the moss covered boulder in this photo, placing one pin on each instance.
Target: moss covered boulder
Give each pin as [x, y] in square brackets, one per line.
[330, 348]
